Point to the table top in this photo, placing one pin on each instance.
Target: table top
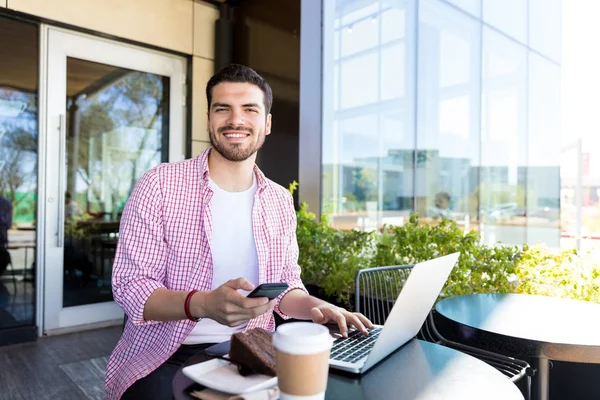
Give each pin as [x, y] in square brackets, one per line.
[419, 370]
[550, 325]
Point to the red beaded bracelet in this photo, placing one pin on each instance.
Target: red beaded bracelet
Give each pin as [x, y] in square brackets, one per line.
[186, 306]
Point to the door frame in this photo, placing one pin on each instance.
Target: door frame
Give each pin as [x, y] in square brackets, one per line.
[56, 44]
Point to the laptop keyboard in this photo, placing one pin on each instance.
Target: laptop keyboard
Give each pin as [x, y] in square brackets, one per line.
[355, 346]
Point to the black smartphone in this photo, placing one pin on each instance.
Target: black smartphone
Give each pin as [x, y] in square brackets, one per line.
[270, 290]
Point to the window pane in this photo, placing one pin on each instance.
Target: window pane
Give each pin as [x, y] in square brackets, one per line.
[359, 36]
[509, 16]
[543, 169]
[18, 170]
[393, 20]
[471, 6]
[448, 114]
[503, 150]
[545, 27]
[117, 128]
[367, 152]
[392, 83]
[359, 80]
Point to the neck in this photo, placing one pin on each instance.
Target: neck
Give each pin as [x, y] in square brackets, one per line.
[228, 175]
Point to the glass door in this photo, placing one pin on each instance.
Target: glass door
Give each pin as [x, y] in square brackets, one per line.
[113, 112]
[19, 100]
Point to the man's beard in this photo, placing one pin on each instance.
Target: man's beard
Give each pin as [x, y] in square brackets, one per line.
[235, 152]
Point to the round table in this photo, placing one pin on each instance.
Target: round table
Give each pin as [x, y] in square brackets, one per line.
[540, 327]
[419, 370]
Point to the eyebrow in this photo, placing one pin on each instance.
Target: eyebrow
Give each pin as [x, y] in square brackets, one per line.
[248, 105]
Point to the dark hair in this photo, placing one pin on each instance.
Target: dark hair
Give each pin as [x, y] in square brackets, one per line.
[237, 73]
[443, 194]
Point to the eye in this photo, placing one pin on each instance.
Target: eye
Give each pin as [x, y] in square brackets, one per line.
[219, 109]
[254, 110]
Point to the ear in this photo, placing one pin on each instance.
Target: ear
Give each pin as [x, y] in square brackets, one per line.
[208, 121]
[268, 124]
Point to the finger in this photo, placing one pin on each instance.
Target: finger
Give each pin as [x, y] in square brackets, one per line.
[317, 316]
[253, 302]
[353, 320]
[256, 311]
[241, 315]
[239, 283]
[366, 322]
[339, 318]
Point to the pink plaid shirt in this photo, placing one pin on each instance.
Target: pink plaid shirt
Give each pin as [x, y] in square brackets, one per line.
[164, 241]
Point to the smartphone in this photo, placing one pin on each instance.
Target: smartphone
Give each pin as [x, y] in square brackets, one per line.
[218, 350]
[270, 290]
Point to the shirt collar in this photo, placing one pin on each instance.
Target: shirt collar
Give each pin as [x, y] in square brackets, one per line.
[261, 180]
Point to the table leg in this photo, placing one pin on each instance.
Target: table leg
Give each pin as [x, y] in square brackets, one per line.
[541, 383]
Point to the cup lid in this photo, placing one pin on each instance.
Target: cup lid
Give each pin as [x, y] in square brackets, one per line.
[302, 338]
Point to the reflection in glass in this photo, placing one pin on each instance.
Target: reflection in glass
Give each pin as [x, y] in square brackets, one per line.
[367, 174]
[18, 171]
[117, 128]
[484, 105]
[470, 6]
[545, 27]
[543, 169]
[504, 140]
[509, 16]
[448, 115]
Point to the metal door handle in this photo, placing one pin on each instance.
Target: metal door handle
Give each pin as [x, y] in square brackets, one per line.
[61, 181]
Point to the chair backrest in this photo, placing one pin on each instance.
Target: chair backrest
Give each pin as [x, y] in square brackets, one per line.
[377, 289]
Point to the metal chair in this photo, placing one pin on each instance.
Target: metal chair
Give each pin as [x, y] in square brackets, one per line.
[377, 289]
[518, 371]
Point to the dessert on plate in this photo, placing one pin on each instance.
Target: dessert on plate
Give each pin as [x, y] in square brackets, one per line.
[253, 352]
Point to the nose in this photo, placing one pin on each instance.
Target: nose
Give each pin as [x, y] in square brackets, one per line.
[236, 118]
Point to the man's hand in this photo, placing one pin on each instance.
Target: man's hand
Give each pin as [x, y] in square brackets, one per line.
[229, 307]
[325, 313]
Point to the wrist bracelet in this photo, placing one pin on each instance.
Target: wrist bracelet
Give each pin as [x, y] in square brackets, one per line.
[186, 306]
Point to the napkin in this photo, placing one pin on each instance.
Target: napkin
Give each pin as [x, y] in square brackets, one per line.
[210, 394]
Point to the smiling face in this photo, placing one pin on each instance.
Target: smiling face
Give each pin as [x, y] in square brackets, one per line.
[237, 121]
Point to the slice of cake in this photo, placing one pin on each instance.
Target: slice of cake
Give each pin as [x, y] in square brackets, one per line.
[254, 351]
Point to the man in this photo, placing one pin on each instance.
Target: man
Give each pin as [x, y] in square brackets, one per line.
[72, 209]
[194, 234]
[6, 216]
[442, 206]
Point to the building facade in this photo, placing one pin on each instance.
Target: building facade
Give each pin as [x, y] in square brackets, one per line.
[92, 94]
[447, 108]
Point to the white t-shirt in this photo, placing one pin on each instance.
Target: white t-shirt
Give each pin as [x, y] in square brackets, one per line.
[233, 251]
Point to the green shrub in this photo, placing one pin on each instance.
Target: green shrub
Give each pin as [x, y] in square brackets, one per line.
[560, 273]
[480, 268]
[330, 258]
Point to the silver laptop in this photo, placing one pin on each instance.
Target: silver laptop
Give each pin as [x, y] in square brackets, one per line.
[358, 353]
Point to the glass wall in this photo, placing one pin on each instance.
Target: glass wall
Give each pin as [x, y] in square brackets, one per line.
[369, 123]
[441, 107]
[18, 171]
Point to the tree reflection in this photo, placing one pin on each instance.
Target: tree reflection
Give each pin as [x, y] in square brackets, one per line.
[18, 150]
[115, 134]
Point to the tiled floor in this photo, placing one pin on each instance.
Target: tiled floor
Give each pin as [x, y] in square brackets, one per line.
[68, 367]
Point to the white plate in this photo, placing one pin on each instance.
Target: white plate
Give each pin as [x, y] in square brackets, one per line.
[223, 376]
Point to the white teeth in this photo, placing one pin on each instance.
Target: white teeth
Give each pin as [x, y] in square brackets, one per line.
[235, 135]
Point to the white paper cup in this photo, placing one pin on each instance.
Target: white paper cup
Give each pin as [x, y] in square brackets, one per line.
[302, 351]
